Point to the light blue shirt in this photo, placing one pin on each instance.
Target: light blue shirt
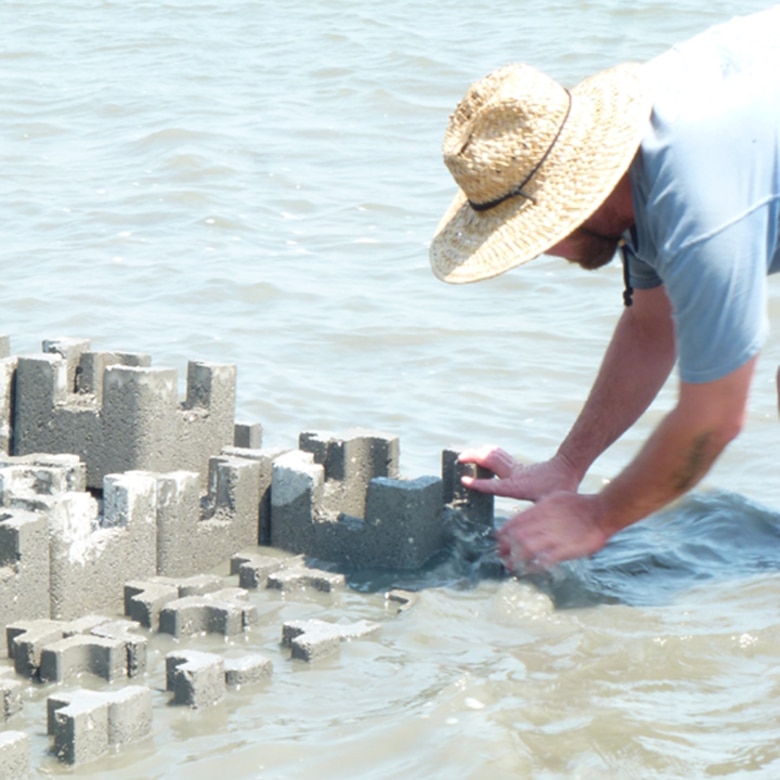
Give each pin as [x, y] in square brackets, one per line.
[706, 190]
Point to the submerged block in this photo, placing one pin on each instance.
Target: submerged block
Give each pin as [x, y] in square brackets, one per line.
[310, 640]
[86, 724]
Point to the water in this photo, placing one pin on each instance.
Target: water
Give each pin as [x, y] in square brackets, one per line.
[256, 183]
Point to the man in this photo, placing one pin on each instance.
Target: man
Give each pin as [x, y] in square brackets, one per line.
[677, 162]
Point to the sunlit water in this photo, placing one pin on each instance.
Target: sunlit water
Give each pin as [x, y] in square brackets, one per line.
[257, 183]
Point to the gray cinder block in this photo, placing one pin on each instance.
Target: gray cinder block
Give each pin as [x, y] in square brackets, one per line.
[310, 640]
[248, 435]
[350, 463]
[86, 724]
[296, 491]
[405, 522]
[118, 413]
[92, 555]
[196, 679]
[14, 755]
[265, 458]
[475, 507]
[136, 646]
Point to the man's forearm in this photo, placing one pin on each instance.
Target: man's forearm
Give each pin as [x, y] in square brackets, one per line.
[635, 367]
[680, 452]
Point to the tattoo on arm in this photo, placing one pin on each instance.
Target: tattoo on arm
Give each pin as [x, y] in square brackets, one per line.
[695, 463]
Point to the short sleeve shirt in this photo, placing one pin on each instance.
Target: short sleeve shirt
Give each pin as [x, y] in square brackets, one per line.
[706, 190]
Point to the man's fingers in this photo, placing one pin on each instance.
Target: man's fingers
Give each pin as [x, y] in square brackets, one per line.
[499, 461]
[492, 486]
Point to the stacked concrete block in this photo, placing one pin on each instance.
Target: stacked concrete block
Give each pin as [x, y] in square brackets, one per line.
[93, 554]
[14, 756]
[402, 526]
[249, 669]
[118, 413]
[265, 459]
[198, 532]
[24, 565]
[350, 462]
[310, 640]
[87, 724]
[145, 599]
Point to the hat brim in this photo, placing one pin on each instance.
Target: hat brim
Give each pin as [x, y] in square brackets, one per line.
[607, 119]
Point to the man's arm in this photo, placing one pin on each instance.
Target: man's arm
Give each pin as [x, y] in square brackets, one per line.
[636, 365]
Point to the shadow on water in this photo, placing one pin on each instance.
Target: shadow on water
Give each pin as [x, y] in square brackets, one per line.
[714, 535]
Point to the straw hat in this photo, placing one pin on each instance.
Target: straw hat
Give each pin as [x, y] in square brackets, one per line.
[533, 161]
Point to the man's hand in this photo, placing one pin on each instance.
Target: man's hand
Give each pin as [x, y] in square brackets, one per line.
[557, 528]
[514, 480]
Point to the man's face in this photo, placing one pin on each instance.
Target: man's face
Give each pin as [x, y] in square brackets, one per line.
[586, 249]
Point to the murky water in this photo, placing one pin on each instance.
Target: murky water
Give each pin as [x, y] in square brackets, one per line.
[257, 183]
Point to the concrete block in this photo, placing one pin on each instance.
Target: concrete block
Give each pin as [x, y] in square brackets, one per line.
[25, 480]
[265, 458]
[247, 670]
[248, 435]
[86, 724]
[196, 679]
[404, 600]
[144, 599]
[92, 555]
[7, 374]
[297, 490]
[404, 524]
[67, 659]
[473, 506]
[14, 756]
[136, 645]
[350, 463]
[195, 533]
[24, 566]
[310, 640]
[117, 412]
[223, 612]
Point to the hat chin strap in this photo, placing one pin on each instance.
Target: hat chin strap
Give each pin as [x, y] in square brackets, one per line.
[518, 190]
